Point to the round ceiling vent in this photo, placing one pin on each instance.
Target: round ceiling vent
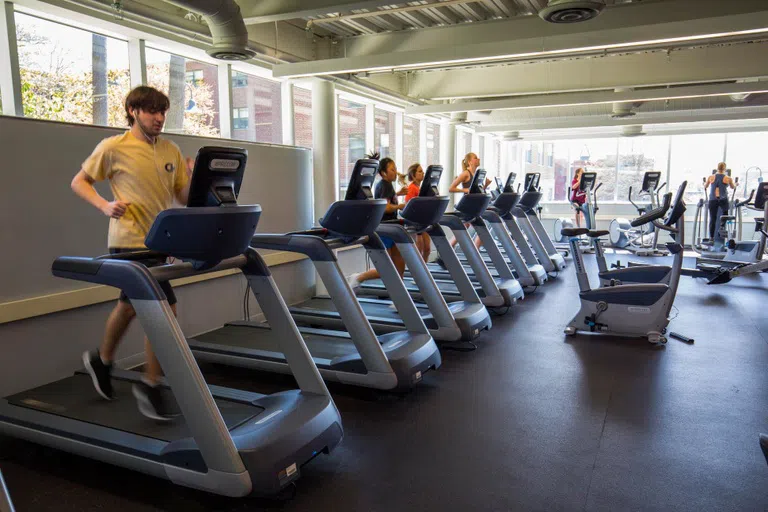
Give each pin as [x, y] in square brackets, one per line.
[224, 52]
[571, 11]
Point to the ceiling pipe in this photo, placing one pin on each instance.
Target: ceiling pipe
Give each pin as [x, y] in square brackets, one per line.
[225, 21]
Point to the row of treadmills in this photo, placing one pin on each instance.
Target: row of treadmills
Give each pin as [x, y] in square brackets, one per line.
[239, 443]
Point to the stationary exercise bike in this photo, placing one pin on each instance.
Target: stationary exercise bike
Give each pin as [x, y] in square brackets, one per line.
[631, 310]
[642, 240]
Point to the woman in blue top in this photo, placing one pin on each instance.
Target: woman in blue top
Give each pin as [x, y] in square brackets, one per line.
[718, 196]
[385, 189]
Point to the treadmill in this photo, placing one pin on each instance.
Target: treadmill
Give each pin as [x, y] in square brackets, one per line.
[530, 224]
[226, 441]
[498, 292]
[459, 321]
[6, 505]
[509, 250]
[393, 361]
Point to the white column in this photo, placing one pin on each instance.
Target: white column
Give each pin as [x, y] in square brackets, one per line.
[225, 100]
[448, 157]
[137, 62]
[423, 145]
[286, 97]
[324, 146]
[10, 76]
[370, 123]
[398, 141]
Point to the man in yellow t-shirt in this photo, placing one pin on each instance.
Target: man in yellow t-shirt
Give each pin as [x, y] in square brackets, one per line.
[146, 173]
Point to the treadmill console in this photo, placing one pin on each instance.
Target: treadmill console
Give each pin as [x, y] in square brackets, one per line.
[217, 176]
[477, 183]
[587, 182]
[509, 185]
[361, 181]
[430, 185]
[650, 181]
[727, 172]
[531, 181]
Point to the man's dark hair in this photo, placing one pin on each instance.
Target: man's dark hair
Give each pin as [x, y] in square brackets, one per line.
[147, 99]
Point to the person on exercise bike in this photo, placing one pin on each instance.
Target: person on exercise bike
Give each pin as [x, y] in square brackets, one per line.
[718, 196]
[146, 173]
[578, 198]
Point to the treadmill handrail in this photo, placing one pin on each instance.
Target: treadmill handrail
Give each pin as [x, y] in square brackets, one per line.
[316, 248]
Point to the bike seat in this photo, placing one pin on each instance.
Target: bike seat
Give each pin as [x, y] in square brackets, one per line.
[598, 233]
[574, 231]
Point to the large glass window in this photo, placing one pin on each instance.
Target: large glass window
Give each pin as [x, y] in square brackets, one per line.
[240, 118]
[748, 159]
[433, 144]
[411, 143]
[598, 155]
[71, 75]
[351, 139]
[192, 87]
[384, 133]
[464, 146]
[560, 157]
[638, 155]
[262, 98]
[302, 117]
[693, 158]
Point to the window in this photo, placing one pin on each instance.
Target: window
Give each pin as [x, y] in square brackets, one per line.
[599, 155]
[239, 79]
[433, 144]
[384, 133]
[464, 146]
[262, 97]
[71, 75]
[559, 155]
[240, 118]
[528, 154]
[636, 156]
[351, 138]
[194, 102]
[411, 143]
[302, 117]
[195, 77]
[693, 158]
[497, 158]
[747, 159]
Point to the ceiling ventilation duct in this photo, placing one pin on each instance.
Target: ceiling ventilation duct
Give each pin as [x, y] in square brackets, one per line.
[511, 136]
[634, 130]
[571, 11]
[230, 37]
[622, 110]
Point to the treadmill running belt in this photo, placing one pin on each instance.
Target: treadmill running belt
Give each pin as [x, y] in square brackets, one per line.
[75, 398]
[256, 337]
[371, 309]
[444, 287]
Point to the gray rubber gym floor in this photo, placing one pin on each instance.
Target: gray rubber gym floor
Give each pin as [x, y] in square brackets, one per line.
[530, 421]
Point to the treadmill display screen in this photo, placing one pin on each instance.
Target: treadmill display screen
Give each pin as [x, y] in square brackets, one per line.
[532, 181]
[477, 184]
[430, 185]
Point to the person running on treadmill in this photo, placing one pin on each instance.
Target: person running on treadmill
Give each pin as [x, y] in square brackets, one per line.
[578, 198]
[146, 173]
[415, 177]
[718, 196]
[384, 189]
[461, 184]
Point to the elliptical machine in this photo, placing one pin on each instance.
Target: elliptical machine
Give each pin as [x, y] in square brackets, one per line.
[631, 310]
[643, 240]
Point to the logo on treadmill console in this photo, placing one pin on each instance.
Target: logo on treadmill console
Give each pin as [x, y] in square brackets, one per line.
[170, 167]
[224, 164]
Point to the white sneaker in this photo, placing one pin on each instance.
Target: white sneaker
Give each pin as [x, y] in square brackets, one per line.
[353, 282]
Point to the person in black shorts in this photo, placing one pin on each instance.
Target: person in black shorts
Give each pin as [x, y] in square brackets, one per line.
[146, 173]
[385, 189]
